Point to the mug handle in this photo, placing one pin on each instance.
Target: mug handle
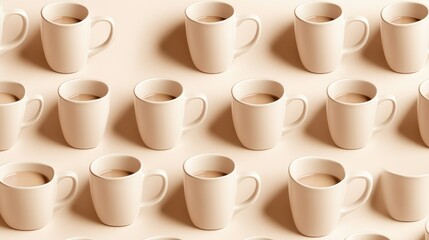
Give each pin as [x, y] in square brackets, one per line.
[21, 36]
[72, 192]
[105, 44]
[386, 122]
[365, 195]
[36, 117]
[364, 38]
[240, 19]
[203, 114]
[158, 198]
[301, 119]
[240, 177]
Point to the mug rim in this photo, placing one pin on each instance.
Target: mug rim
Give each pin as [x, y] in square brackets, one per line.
[209, 2]
[193, 158]
[258, 105]
[22, 86]
[87, 80]
[50, 178]
[101, 158]
[302, 5]
[146, 81]
[333, 98]
[368, 233]
[385, 8]
[406, 176]
[160, 237]
[421, 85]
[44, 8]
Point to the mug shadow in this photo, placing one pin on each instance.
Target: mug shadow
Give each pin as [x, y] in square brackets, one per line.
[83, 206]
[175, 207]
[373, 51]
[223, 127]
[318, 127]
[409, 126]
[284, 47]
[377, 202]
[33, 51]
[174, 45]
[278, 209]
[51, 127]
[3, 224]
[126, 126]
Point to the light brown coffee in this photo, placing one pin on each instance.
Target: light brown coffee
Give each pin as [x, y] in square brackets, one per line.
[66, 20]
[210, 174]
[159, 97]
[7, 97]
[319, 19]
[84, 97]
[259, 98]
[352, 98]
[211, 19]
[404, 20]
[114, 173]
[319, 180]
[25, 179]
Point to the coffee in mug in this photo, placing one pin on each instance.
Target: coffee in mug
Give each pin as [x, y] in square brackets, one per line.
[352, 98]
[66, 20]
[84, 97]
[259, 98]
[319, 19]
[209, 19]
[210, 174]
[404, 20]
[114, 173]
[25, 179]
[159, 97]
[319, 180]
[7, 98]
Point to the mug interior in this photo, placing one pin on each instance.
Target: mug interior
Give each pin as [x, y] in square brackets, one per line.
[404, 9]
[208, 162]
[158, 86]
[312, 9]
[367, 236]
[257, 86]
[202, 9]
[14, 88]
[115, 162]
[15, 167]
[345, 86]
[72, 88]
[60, 9]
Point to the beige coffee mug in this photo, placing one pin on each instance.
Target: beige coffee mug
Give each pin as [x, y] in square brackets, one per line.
[258, 112]
[116, 183]
[317, 202]
[28, 194]
[211, 29]
[160, 112]
[319, 32]
[351, 108]
[66, 34]
[210, 184]
[406, 196]
[423, 111]
[13, 105]
[405, 36]
[4, 15]
[83, 107]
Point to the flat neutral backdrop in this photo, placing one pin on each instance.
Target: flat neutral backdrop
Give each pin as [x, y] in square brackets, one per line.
[150, 42]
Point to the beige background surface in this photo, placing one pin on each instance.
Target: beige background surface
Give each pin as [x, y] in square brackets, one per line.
[150, 42]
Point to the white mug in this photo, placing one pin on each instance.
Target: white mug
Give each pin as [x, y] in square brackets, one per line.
[317, 209]
[260, 124]
[160, 112]
[406, 197]
[30, 207]
[83, 120]
[405, 44]
[210, 199]
[367, 236]
[24, 30]
[352, 123]
[212, 44]
[67, 43]
[13, 104]
[423, 111]
[319, 32]
[117, 198]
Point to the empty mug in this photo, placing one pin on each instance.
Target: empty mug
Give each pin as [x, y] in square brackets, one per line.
[319, 32]
[317, 190]
[404, 35]
[28, 194]
[210, 185]
[13, 104]
[423, 111]
[211, 29]
[5, 14]
[351, 108]
[66, 34]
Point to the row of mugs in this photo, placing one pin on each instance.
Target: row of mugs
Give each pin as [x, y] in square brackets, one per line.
[211, 32]
[317, 190]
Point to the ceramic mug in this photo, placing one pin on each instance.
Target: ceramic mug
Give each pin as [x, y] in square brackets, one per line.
[211, 29]
[116, 183]
[423, 111]
[13, 104]
[210, 185]
[319, 32]
[317, 190]
[83, 107]
[5, 14]
[28, 194]
[404, 35]
[258, 112]
[351, 108]
[66, 34]
[160, 112]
